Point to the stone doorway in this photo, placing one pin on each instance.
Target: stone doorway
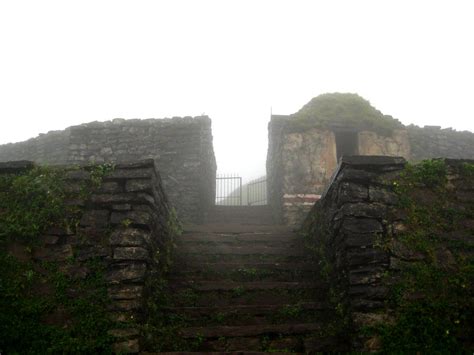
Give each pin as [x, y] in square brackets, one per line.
[347, 143]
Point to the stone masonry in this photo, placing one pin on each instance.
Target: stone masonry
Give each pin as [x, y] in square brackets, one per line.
[357, 212]
[124, 224]
[300, 162]
[181, 148]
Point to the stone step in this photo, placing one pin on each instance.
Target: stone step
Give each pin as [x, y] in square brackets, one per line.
[227, 266]
[224, 238]
[235, 228]
[241, 249]
[250, 221]
[233, 315]
[239, 352]
[243, 274]
[247, 286]
[187, 297]
[248, 309]
[196, 258]
[250, 331]
[236, 344]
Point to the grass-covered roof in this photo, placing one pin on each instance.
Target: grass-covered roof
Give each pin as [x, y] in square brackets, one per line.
[340, 110]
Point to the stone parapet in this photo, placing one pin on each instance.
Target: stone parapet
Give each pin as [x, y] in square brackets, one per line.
[358, 227]
[124, 224]
[181, 148]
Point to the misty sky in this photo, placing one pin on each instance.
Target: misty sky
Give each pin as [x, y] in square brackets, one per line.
[64, 63]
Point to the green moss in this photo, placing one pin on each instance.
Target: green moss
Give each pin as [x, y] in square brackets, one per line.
[30, 203]
[43, 310]
[340, 109]
[432, 298]
[54, 322]
[318, 242]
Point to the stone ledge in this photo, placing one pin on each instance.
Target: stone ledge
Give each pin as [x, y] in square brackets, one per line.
[11, 167]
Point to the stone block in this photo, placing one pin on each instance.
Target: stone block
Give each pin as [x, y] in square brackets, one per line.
[50, 239]
[368, 291]
[362, 226]
[124, 332]
[126, 305]
[357, 240]
[401, 251]
[59, 230]
[364, 278]
[362, 209]
[140, 173]
[366, 256]
[53, 253]
[92, 252]
[78, 175]
[382, 195]
[122, 207]
[136, 185]
[73, 187]
[125, 292]
[350, 192]
[13, 167]
[76, 271]
[109, 187]
[363, 304]
[138, 218]
[122, 198]
[133, 272]
[95, 218]
[130, 346]
[129, 237]
[130, 253]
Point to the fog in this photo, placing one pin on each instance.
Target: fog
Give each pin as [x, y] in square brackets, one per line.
[64, 63]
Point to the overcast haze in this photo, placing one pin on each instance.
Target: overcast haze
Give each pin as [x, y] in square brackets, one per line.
[64, 63]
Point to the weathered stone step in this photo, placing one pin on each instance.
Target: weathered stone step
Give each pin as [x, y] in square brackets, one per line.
[249, 331]
[239, 249]
[243, 274]
[218, 353]
[262, 237]
[240, 296]
[289, 315]
[188, 265]
[196, 258]
[234, 228]
[250, 221]
[247, 309]
[263, 213]
[247, 286]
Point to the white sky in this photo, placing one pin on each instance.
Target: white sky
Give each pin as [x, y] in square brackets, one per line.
[64, 63]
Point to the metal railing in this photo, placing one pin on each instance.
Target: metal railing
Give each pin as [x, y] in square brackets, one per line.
[257, 192]
[228, 190]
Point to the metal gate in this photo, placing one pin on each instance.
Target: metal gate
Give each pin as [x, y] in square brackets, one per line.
[228, 190]
[257, 192]
[231, 192]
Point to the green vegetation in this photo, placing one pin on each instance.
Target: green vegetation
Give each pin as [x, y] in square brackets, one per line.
[341, 109]
[30, 203]
[43, 309]
[317, 236]
[431, 296]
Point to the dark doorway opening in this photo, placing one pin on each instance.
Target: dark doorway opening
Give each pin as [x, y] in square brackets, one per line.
[347, 143]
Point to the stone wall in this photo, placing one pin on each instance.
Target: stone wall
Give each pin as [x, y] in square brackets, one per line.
[300, 163]
[396, 145]
[434, 142]
[356, 227]
[181, 147]
[125, 224]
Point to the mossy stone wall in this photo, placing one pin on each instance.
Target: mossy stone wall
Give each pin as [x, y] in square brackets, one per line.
[85, 269]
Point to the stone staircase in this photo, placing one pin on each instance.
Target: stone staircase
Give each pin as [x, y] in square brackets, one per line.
[241, 284]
